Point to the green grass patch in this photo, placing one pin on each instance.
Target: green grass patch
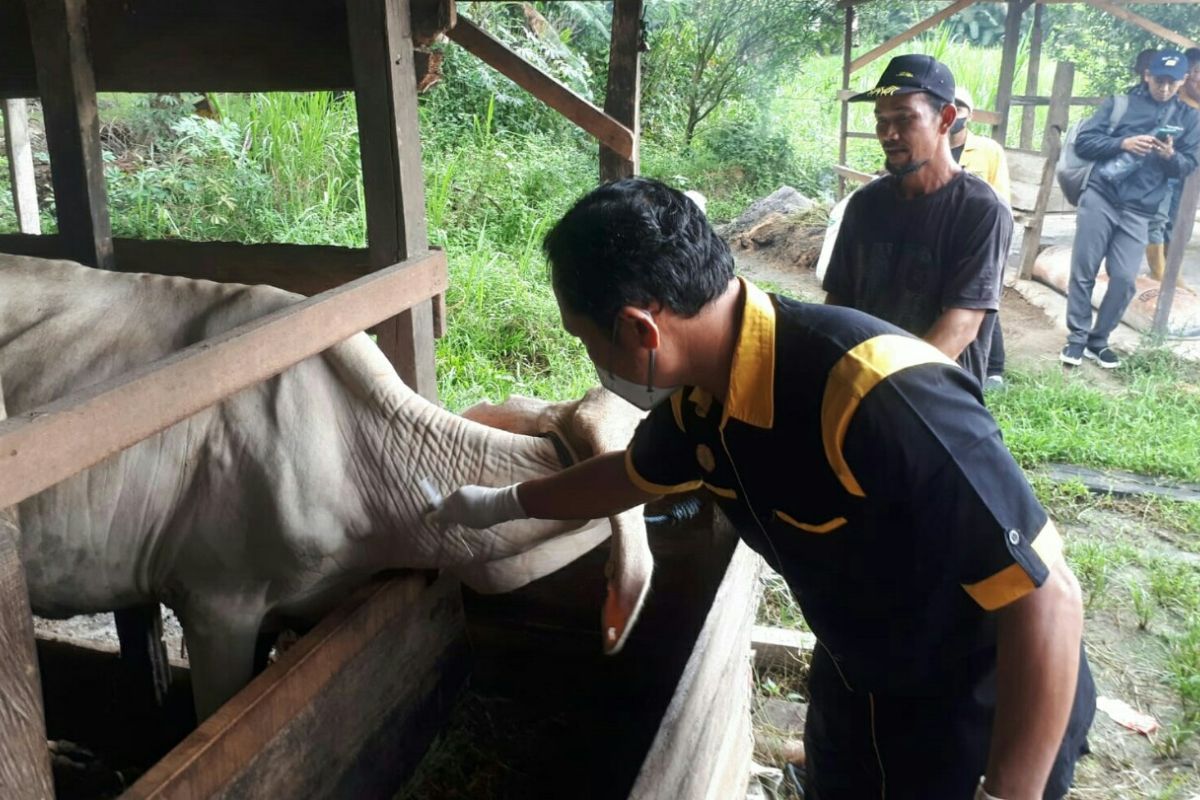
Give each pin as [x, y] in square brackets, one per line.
[1149, 425]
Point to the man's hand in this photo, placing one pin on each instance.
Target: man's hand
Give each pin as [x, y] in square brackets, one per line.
[478, 507]
[1140, 145]
[1165, 149]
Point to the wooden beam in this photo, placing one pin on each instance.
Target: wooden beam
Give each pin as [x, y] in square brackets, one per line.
[300, 268]
[860, 135]
[780, 647]
[346, 712]
[20, 166]
[846, 173]
[393, 182]
[844, 117]
[1181, 234]
[24, 757]
[46, 445]
[1008, 68]
[622, 100]
[931, 21]
[1056, 127]
[67, 89]
[1029, 113]
[684, 760]
[1026, 100]
[1160, 31]
[493, 52]
[214, 46]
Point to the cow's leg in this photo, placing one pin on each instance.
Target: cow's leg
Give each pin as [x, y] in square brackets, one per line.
[221, 645]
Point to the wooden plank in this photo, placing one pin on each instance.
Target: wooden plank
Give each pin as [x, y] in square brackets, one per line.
[1028, 113]
[393, 182]
[68, 92]
[1026, 100]
[592, 120]
[852, 174]
[346, 712]
[933, 20]
[1185, 221]
[844, 117]
[780, 647]
[24, 757]
[47, 444]
[860, 135]
[214, 46]
[304, 269]
[683, 761]
[622, 100]
[1145, 24]
[20, 166]
[1008, 67]
[1056, 125]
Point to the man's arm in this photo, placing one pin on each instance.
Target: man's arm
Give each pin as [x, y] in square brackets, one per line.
[954, 329]
[1093, 141]
[1037, 667]
[592, 489]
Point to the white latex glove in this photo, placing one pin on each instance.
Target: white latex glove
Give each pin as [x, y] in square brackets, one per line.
[981, 793]
[478, 507]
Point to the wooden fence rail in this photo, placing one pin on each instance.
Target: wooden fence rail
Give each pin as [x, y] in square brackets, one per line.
[41, 447]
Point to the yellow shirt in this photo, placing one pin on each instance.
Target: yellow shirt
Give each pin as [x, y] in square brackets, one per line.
[984, 157]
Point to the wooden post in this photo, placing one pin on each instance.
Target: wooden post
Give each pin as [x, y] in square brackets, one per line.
[24, 757]
[58, 29]
[1185, 220]
[622, 101]
[1008, 67]
[931, 21]
[381, 50]
[844, 124]
[1029, 113]
[1056, 127]
[1178, 39]
[20, 166]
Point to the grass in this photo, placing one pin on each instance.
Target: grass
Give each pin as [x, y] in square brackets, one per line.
[1149, 425]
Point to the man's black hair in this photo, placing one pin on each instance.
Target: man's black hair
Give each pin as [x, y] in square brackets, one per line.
[1142, 62]
[1192, 54]
[936, 103]
[633, 242]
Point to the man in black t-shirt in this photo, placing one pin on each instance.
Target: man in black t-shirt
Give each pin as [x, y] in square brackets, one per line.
[923, 248]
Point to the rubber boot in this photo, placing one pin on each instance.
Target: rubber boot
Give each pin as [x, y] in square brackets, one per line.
[1156, 257]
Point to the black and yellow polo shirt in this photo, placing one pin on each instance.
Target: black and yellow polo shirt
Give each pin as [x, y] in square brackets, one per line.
[861, 463]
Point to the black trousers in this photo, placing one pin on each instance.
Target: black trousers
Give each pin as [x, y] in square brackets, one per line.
[995, 365]
[863, 746]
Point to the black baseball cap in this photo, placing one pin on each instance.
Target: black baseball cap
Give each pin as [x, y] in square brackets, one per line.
[1169, 64]
[912, 73]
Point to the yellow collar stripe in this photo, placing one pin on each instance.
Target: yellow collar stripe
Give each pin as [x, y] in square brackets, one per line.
[751, 396]
[859, 371]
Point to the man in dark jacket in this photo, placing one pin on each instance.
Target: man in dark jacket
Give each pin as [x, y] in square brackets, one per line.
[1134, 159]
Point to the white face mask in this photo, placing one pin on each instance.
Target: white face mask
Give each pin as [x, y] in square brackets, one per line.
[644, 397]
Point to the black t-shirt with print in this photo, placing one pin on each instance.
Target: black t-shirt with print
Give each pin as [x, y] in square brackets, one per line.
[908, 260]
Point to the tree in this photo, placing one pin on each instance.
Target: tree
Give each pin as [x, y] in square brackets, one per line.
[705, 52]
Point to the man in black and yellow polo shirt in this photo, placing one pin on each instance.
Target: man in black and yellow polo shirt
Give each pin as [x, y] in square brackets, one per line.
[861, 463]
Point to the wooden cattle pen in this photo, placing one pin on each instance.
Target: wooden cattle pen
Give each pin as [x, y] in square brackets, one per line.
[351, 708]
[1035, 191]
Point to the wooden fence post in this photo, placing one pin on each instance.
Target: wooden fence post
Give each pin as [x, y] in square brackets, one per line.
[24, 757]
[622, 101]
[1181, 234]
[1029, 113]
[844, 123]
[381, 51]
[67, 86]
[1008, 66]
[20, 166]
[1056, 128]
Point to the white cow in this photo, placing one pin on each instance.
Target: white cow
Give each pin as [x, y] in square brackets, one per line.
[276, 502]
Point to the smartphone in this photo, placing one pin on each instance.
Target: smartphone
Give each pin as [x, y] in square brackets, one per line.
[1167, 130]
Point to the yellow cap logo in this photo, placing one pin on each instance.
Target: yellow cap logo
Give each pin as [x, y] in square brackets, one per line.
[883, 91]
[904, 75]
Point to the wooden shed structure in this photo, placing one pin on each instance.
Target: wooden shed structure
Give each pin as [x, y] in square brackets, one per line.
[1034, 190]
[350, 709]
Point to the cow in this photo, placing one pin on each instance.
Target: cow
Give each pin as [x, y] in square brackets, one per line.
[275, 503]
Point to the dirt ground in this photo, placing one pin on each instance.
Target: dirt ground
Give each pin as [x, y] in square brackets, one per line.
[1128, 662]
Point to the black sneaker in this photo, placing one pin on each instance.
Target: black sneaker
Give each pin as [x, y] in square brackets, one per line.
[1106, 358]
[1072, 354]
